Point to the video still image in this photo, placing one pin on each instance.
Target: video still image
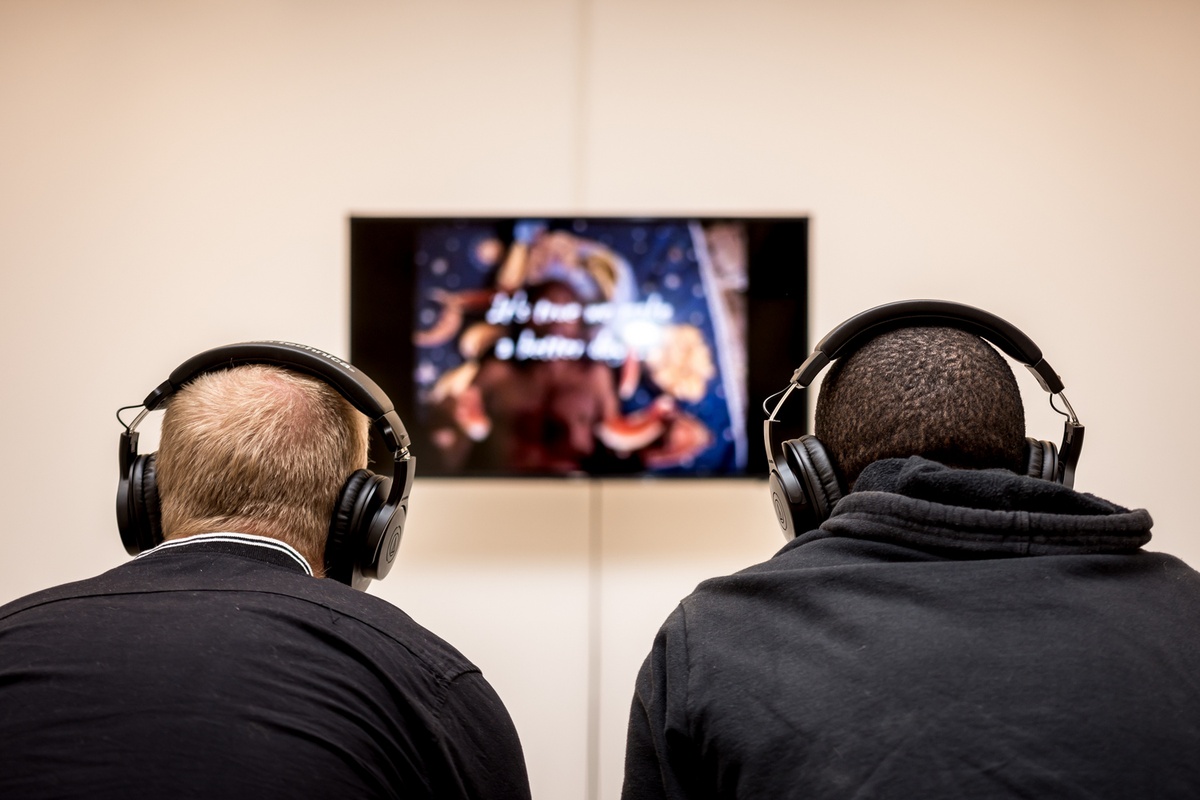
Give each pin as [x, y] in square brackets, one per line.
[582, 346]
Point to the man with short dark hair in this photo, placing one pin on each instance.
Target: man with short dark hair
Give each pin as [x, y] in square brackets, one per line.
[941, 393]
[218, 664]
[954, 629]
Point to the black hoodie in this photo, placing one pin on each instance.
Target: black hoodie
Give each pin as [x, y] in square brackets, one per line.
[946, 633]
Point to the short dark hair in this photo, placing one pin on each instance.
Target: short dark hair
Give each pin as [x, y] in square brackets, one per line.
[941, 393]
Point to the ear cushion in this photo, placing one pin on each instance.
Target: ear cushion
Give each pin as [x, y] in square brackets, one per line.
[346, 528]
[827, 487]
[144, 491]
[818, 479]
[1042, 459]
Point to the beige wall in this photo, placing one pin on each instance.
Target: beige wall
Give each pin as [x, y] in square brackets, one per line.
[176, 175]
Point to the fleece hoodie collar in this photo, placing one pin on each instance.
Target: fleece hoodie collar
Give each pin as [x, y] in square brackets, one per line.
[919, 502]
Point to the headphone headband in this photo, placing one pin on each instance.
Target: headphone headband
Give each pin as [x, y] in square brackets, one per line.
[853, 333]
[362, 392]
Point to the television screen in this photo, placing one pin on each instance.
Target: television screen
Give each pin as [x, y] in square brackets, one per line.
[594, 346]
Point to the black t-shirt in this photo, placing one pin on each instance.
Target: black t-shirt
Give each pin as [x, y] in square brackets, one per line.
[215, 667]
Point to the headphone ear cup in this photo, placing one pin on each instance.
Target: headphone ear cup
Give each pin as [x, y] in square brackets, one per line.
[788, 499]
[817, 475]
[141, 524]
[146, 490]
[349, 526]
[1042, 459]
[808, 482]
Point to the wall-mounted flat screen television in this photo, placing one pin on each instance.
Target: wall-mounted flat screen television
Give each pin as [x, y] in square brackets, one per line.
[591, 345]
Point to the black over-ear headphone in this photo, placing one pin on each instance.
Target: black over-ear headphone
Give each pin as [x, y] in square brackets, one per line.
[805, 486]
[369, 515]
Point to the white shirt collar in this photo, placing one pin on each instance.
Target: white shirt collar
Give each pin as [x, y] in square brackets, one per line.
[242, 538]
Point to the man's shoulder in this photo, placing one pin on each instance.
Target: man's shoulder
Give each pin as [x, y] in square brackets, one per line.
[49, 595]
[386, 621]
[189, 584]
[805, 554]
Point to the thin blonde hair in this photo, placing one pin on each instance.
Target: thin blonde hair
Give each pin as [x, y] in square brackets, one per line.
[258, 449]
